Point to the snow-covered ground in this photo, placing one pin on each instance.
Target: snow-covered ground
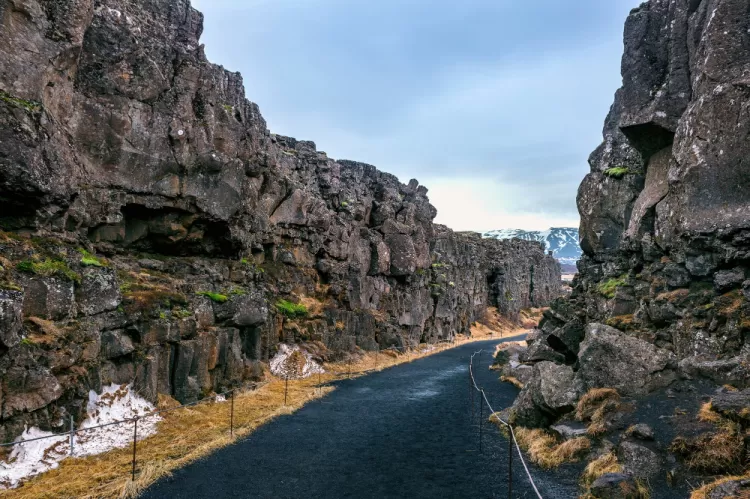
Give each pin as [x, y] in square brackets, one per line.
[115, 403]
[279, 362]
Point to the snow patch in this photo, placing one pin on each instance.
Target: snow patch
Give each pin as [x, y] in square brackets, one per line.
[279, 363]
[115, 403]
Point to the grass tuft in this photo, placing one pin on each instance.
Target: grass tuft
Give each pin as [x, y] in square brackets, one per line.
[617, 172]
[609, 287]
[606, 463]
[717, 452]
[28, 105]
[49, 268]
[595, 406]
[215, 297]
[291, 310]
[546, 451]
[513, 381]
[89, 260]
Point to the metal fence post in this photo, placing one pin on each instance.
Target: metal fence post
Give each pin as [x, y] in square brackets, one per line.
[231, 416]
[349, 368]
[286, 386]
[135, 440]
[377, 357]
[481, 406]
[510, 463]
[72, 434]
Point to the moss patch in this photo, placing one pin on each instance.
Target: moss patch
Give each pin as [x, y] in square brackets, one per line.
[215, 297]
[617, 172]
[89, 260]
[609, 287]
[28, 105]
[291, 310]
[49, 268]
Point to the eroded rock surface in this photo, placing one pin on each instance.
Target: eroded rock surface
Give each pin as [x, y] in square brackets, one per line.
[665, 220]
[153, 225]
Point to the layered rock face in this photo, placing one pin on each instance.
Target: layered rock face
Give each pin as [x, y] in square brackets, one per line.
[153, 226]
[665, 212]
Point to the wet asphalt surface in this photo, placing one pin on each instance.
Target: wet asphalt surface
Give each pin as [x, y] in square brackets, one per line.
[403, 432]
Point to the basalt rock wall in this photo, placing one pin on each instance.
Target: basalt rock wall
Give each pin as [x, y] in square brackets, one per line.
[155, 232]
[663, 286]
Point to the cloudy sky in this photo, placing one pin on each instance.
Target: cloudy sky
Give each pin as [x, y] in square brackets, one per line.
[494, 105]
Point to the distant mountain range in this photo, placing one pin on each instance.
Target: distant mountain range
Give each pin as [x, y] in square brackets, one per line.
[563, 242]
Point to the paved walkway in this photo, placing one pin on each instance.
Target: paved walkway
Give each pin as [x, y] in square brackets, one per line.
[403, 432]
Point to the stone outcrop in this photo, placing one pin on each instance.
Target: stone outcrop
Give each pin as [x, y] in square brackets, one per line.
[663, 286]
[155, 232]
[665, 211]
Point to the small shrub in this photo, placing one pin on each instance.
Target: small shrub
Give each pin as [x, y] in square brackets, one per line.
[617, 172]
[215, 297]
[718, 452]
[344, 204]
[291, 310]
[609, 287]
[27, 342]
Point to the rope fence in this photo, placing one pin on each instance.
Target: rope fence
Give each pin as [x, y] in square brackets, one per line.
[512, 436]
[228, 395]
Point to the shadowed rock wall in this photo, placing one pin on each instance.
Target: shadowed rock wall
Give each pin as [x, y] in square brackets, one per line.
[665, 214]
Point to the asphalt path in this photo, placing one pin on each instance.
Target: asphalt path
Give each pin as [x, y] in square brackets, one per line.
[406, 431]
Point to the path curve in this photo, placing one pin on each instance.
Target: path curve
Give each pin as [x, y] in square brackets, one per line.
[402, 432]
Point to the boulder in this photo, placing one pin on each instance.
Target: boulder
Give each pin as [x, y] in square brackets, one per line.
[549, 393]
[611, 359]
[614, 486]
[725, 280]
[11, 317]
[731, 489]
[99, 291]
[116, 344]
[570, 430]
[641, 431]
[48, 297]
[28, 389]
[638, 460]
[732, 404]
[249, 309]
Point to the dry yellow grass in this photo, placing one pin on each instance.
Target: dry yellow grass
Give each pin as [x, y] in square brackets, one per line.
[595, 406]
[546, 451]
[513, 381]
[707, 414]
[717, 452]
[705, 490]
[188, 434]
[606, 463]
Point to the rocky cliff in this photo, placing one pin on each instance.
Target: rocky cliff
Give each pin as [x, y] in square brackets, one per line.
[155, 232]
[663, 288]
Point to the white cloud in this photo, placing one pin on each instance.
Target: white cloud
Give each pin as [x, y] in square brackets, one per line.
[474, 204]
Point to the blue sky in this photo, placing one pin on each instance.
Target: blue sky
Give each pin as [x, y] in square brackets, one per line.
[494, 105]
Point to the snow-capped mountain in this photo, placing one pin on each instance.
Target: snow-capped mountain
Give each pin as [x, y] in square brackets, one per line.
[563, 242]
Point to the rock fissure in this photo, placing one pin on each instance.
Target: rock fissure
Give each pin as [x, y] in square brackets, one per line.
[154, 232]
